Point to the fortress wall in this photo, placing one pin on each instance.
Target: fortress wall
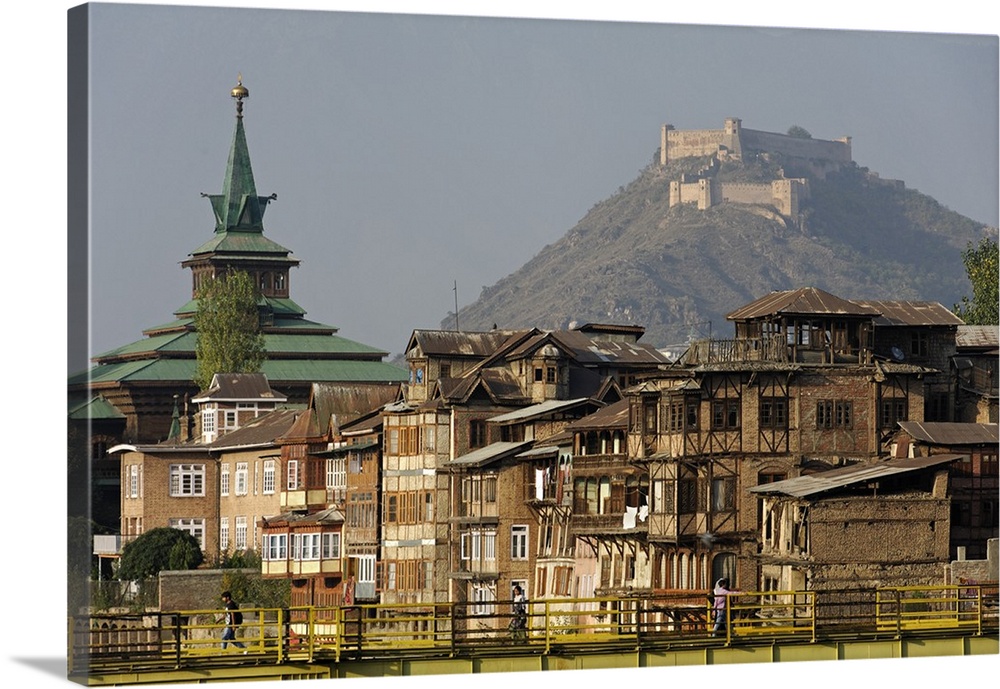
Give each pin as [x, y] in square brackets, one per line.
[747, 192]
[755, 140]
[690, 143]
[687, 192]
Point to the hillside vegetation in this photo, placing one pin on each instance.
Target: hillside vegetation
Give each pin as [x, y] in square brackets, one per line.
[633, 259]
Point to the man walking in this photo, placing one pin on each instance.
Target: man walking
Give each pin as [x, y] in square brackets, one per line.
[233, 619]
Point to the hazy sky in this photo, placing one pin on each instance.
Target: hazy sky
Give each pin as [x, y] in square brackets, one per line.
[410, 152]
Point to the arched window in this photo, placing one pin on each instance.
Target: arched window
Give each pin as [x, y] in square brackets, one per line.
[724, 567]
[685, 565]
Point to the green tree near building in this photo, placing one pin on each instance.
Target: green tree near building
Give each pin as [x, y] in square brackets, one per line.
[156, 550]
[981, 266]
[799, 132]
[228, 325]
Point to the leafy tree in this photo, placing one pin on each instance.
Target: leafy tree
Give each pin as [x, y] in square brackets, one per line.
[228, 325]
[982, 268]
[799, 132]
[157, 550]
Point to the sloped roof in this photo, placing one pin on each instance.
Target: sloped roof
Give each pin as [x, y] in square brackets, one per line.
[612, 416]
[239, 387]
[910, 313]
[499, 383]
[807, 301]
[979, 337]
[264, 430]
[451, 343]
[825, 481]
[95, 408]
[328, 517]
[489, 454]
[540, 410]
[947, 433]
[349, 402]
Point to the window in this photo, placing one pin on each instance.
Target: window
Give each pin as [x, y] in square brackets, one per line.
[430, 436]
[478, 545]
[208, 423]
[445, 371]
[725, 415]
[224, 534]
[539, 372]
[279, 282]
[392, 442]
[293, 474]
[676, 417]
[687, 498]
[723, 494]
[133, 481]
[834, 414]
[477, 433]
[229, 422]
[242, 478]
[224, 480]
[331, 546]
[663, 496]
[550, 374]
[773, 412]
[306, 546]
[187, 480]
[195, 527]
[241, 533]
[482, 597]
[268, 476]
[918, 344]
[519, 542]
[891, 411]
[275, 547]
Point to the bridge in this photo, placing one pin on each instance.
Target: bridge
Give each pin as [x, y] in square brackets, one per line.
[573, 633]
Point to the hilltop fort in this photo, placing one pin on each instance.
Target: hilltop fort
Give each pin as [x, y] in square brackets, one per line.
[807, 156]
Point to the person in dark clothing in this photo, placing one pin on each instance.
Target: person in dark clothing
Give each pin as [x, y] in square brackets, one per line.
[233, 619]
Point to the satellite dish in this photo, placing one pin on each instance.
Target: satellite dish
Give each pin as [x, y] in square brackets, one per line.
[897, 354]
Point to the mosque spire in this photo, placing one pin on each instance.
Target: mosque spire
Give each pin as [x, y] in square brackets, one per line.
[239, 208]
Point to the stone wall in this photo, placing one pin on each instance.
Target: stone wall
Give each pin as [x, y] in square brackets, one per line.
[734, 139]
[837, 150]
[196, 589]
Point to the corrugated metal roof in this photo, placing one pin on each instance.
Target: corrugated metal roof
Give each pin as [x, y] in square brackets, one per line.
[978, 337]
[95, 408]
[277, 371]
[947, 433]
[242, 387]
[263, 430]
[538, 410]
[812, 484]
[910, 313]
[807, 301]
[491, 453]
[459, 344]
[612, 416]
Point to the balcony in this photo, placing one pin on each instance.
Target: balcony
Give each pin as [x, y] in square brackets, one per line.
[597, 524]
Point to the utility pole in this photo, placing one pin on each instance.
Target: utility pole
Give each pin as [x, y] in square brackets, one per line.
[457, 329]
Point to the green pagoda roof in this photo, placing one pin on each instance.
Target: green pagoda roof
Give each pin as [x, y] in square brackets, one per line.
[95, 408]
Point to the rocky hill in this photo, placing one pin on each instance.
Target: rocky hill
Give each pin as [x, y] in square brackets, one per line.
[677, 271]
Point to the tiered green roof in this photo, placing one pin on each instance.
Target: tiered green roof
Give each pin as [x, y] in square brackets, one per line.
[299, 350]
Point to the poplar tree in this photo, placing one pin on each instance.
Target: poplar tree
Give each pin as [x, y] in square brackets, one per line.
[982, 268]
[228, 325]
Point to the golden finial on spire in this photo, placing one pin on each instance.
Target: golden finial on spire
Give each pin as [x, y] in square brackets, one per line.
[239, 92]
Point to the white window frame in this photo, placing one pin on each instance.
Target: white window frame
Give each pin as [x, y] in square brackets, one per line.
[230, 420]
[224, 534]
[519, 542]
[275, 547]
[331, 546]
[307, 546]
[484, 598]
[336, 473]
[224, 480]
[241, 533]
[194, 526]
[292, 475]
[242, 478]
[208, 424]
[269, 477]
[187, 480]
[133, 481]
